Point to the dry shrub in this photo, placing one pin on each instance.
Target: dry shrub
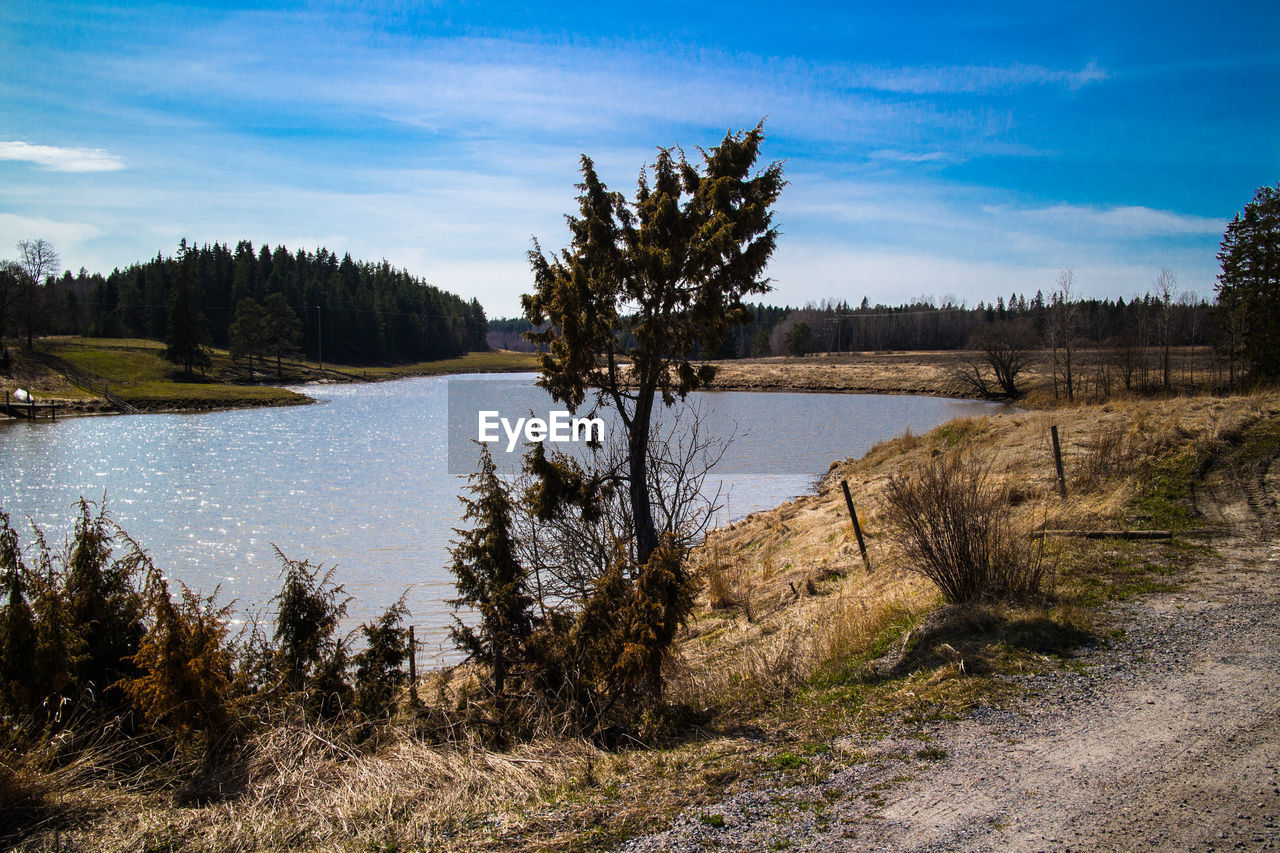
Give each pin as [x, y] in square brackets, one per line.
[723, 579]
[956, 528]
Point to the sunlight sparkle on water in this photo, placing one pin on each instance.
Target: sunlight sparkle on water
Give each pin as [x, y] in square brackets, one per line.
[360, 482]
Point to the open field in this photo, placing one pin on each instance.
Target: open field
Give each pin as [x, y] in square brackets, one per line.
[135, 371]
[812, 703]
[934, 373]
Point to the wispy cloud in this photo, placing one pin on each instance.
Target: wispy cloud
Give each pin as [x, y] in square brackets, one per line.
[893, 156]
[64, 234]
[1129, 219]
[58, 159]
[970, 79]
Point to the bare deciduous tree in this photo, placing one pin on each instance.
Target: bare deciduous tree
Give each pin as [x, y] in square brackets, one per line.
[1167, 293]
[1002, 347]
[1062, 331]
[38, 262]
[567, 551]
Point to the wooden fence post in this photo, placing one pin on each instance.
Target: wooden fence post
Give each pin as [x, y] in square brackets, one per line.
[1057, 461]
[413, 668]
[857, 528]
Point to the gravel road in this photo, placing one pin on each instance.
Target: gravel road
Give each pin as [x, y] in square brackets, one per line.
[1167, 739]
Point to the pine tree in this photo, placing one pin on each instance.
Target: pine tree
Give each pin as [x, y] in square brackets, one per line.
[187, 337]
[1249, 285]
[283, 329]
[249, 332]
[489, 577]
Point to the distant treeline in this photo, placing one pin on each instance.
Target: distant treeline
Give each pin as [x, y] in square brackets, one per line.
[923, 325]
[365, 313]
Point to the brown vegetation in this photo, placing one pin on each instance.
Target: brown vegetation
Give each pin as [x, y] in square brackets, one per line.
[792, 644]
[1099, 374]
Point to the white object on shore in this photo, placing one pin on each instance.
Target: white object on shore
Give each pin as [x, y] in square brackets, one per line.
[21, 396]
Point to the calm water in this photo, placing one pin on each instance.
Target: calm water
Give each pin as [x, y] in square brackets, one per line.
[360, 481]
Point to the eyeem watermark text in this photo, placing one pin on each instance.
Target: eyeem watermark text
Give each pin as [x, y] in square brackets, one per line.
[559, 426]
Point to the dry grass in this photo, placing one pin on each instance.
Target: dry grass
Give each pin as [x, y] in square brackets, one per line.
[795, 645]
[934, 373]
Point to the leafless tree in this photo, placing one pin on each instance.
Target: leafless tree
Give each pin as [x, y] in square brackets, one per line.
[568, 552]
[1191, 302]
[39, 262]
[1062, 331]
[1003, 348]
[1167, 293]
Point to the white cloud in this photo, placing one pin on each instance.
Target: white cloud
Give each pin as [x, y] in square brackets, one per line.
[1129, 219]
[57, 159]
[892, 156]
[811, 273]
[65, 236]
[969, 79]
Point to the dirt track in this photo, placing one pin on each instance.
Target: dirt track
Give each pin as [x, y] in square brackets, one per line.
[1168, 739]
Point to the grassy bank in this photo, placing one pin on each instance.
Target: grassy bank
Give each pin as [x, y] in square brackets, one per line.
[136, 372]
[796, 662]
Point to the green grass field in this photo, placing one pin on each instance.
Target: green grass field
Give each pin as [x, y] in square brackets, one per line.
[136, 371]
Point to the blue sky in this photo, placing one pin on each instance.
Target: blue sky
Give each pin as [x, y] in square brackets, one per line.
[950, 150]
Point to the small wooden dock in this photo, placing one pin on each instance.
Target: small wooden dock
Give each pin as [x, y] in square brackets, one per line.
[28, 409]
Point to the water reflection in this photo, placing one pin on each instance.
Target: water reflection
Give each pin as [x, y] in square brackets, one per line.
[361, 481]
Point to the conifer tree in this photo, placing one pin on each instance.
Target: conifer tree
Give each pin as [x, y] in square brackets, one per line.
[187, 337]
[18, 689]
[283, 329]
[489, 577]
[1249, 285]
[379, 668]
[655, 281]
[249, 331]
[103, 607]
[183, 660]
[309, 609]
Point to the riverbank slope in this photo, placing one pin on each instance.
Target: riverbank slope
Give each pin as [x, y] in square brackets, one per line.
[814, 705]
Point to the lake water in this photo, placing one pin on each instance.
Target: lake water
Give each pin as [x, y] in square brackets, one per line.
[361, 480]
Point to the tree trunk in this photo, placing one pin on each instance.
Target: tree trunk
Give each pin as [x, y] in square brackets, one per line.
[638, 463]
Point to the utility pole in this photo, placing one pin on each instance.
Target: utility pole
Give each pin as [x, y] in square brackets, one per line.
[320, 339]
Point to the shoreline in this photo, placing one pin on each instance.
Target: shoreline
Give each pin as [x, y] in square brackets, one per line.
[915, 373]
[71, 372]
